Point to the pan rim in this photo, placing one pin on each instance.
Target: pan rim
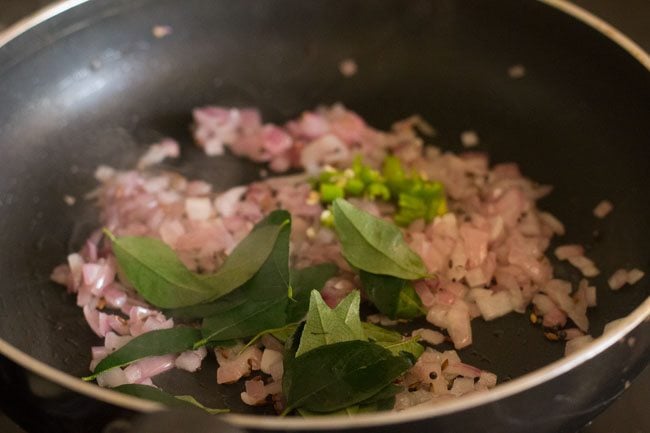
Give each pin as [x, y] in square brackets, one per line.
[58, 7]
[520, 384]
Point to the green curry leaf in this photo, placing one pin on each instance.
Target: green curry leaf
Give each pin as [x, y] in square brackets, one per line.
[373, 244]
[327, 326]
[244, 321]
[162, 279]
[393, 341]
[303, 282]
[157, 273]
[382, 401]
[393, 296]
[409, 345]
[377, 333]
[265, 298]
[154, 394]
[335, 376]
[153, 343]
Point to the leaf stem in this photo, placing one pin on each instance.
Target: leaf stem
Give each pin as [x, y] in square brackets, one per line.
[200, 343]
[109, 234]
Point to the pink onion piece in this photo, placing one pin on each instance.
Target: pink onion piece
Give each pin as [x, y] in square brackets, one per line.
[255, 393]
[492, 305]
[166, 148]
[603, 209]
[271, 363]
[61, 275]
[113, 342]
[148, 367]
[114, 296]
[585, 265]
[234, 365]
[576, 344]
[430, 336]
[458, 325]
[112, 378]
[564, 252]
[96, 276]
[191, 360]
[634, 276]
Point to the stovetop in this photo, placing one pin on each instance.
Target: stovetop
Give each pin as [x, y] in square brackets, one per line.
[629, 414]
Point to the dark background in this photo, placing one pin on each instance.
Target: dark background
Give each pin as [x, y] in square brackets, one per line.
[630, 413]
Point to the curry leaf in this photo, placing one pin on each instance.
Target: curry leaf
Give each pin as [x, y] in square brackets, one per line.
[327, 326]
[410, 346]
[191, 400]
[156, 272]
[150, 393]
[393, 341]
[379, 406]
[248, 257]
[244, 321]
[161, 278]
[374, 245]
[303, 281]
[382, 401]
[384, 394]
[199, 311]
[154, 343]
[335, 376]
[377, 333]
[348, 311]
[282, 334]
[393, 296]
[292, 343]
[265, 299]
[409, 304]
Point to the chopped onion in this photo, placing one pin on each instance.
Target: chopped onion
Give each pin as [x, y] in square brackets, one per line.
[255, 393]
[618, 279]
[458, 325]
[112, 378]
[491, 305]
[328, 149]
[585, 265]
[113, 341]
[234, 365]
[190, 360]
[271, 363]
[622, 277]
[462, 386]
[430, 336]
[348, 67]
[565, 252]
[576, 344]
[469, 139]
[149, 367]
[634, 276]
[167, 148]
[225, 203]
[603, 209]
[198, 209]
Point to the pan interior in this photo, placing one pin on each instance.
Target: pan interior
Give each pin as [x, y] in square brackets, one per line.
[94, 86]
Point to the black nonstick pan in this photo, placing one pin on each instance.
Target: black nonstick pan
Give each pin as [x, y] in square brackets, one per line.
[87, 83]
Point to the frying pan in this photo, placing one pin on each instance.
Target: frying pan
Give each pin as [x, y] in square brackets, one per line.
[88, 84]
